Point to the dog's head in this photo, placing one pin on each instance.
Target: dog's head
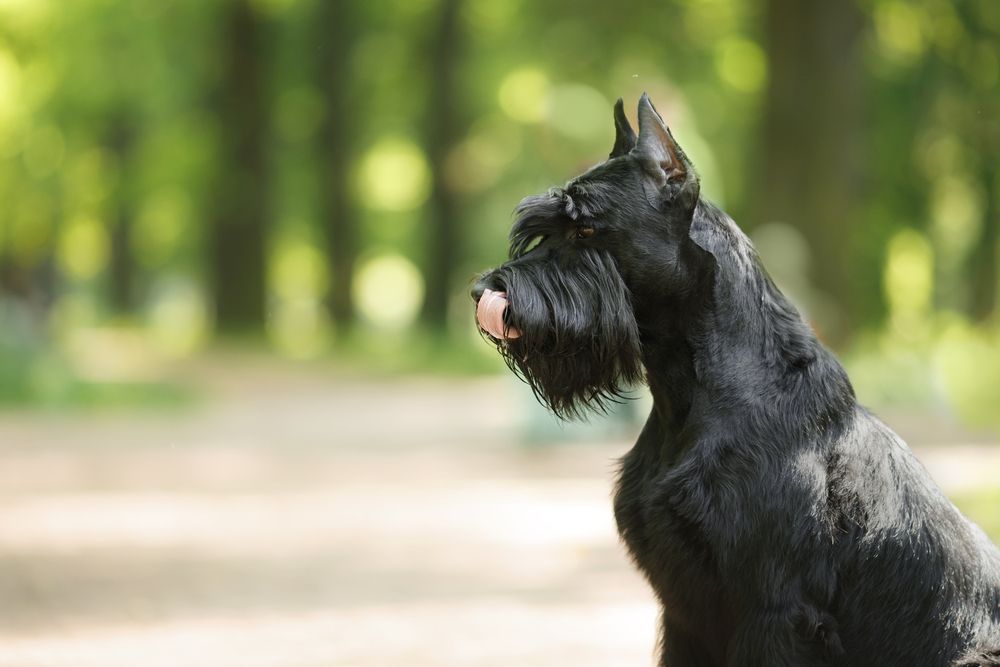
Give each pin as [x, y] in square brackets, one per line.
[587, 262]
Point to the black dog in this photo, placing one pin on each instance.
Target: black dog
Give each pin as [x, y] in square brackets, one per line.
[778, 522]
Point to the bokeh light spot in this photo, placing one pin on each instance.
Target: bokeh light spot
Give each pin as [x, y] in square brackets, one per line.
[25, 15]
[10, 75]
[967, 364]
[957, 210]
[388, 291]
[897, 25]
[741, 64]
[299, 270]
[394, 176]
[177, 316]
[579, 111]
[522, 94]
[909, 277]
[83, 247]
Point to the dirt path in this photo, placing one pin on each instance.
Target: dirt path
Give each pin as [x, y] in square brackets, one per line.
[303, 518]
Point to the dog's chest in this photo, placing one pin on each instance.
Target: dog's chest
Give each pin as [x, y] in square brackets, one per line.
[669, 546]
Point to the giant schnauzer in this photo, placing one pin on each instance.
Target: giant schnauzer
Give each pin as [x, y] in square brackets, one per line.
[778, 521]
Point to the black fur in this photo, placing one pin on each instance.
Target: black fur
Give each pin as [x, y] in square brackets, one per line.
[778, 521]
[576, 351]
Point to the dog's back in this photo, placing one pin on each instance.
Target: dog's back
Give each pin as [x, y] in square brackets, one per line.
[908, 559]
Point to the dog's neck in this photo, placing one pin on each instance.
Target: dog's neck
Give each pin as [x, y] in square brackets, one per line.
[734, 342]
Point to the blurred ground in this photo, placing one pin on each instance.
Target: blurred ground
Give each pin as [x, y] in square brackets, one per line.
[303, 517]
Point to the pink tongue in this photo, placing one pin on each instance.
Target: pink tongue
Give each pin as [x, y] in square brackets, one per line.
[489, 314]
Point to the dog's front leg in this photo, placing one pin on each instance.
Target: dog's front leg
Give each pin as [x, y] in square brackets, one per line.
[800, 636]
[679, 649]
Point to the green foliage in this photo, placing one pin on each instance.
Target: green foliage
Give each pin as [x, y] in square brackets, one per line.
[112, 140]
[950, 366]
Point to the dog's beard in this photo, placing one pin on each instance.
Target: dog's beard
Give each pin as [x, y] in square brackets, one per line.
[579, 345]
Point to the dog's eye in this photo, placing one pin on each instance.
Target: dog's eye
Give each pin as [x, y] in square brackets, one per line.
[584, 232]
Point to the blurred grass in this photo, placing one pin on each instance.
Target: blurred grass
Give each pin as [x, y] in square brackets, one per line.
[38, 374]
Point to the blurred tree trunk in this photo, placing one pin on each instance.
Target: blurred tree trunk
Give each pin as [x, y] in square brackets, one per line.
[121, 141]
[335, 31]
[30, 285]
[810, 166]
[15, 279]
[442, 132]
[237, 235]
[982, 265]
[30, 280]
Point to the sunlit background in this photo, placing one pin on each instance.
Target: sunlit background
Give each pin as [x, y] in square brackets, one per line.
[245, 417]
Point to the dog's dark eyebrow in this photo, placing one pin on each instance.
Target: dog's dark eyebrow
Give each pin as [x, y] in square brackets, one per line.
[534, 217]
[548, 206]
[589, 198]
[536, 214]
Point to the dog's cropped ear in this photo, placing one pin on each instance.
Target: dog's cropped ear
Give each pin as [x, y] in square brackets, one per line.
[624, 134]
[663, 159]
